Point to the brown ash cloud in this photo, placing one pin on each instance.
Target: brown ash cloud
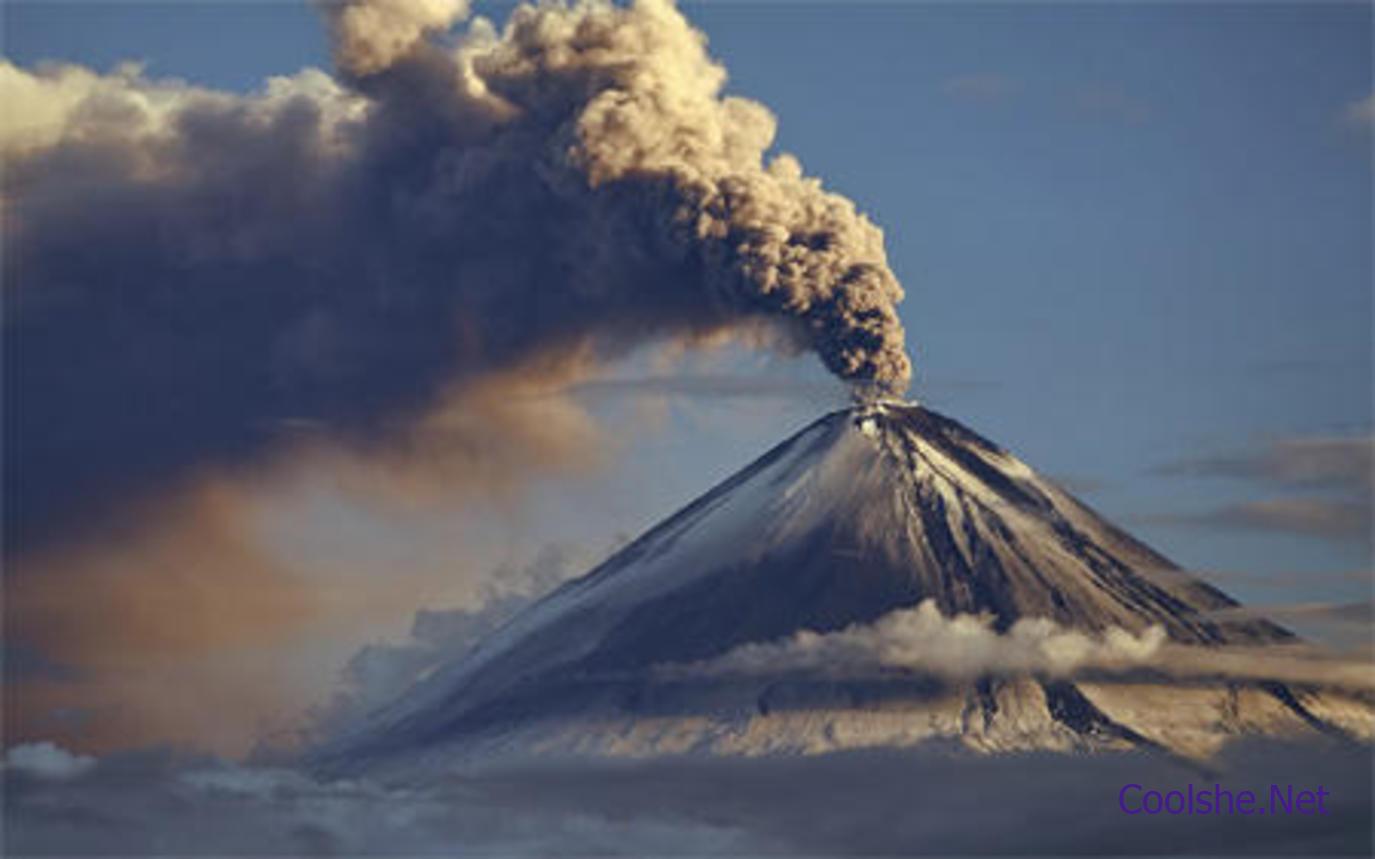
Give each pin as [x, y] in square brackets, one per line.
[189, 271]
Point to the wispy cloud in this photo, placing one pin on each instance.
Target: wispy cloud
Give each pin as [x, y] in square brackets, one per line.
[1360, 112]
[984, 88]
[1081, 484]
[1294, 580]
[1335, 473]
[714, 386]
[1328, 462]
[1309, 517]
[1362, 612]
[1347, 626]
[1110, 102]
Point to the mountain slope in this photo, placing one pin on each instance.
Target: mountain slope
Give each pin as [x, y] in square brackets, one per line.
[866, 511]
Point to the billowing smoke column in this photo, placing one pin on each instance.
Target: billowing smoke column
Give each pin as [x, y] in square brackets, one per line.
[188, 271]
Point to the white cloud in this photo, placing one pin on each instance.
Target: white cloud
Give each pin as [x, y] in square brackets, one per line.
[961, 646]
[46, 760]
[967, 646]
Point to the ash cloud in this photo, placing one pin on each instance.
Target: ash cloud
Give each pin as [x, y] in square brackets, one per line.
[148, 637]
[189, 271]
[370, 35]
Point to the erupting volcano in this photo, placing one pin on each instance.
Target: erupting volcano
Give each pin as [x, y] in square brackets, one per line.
[881, 514]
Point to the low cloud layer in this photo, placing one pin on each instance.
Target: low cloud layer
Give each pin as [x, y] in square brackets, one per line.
[964, 646]
[967, 646]
[888, 802]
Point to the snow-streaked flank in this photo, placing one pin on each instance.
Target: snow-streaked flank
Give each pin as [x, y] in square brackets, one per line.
[834, 539]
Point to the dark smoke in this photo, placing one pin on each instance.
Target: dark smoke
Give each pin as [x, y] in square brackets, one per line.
[187, 271]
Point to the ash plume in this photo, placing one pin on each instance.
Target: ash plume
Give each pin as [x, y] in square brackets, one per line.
[187, 269]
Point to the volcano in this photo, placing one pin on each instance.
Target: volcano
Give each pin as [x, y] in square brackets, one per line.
[868, 511]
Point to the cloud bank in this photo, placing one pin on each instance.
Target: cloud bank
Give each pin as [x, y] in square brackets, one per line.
[967, 646]
[889, 802]
[963, 646]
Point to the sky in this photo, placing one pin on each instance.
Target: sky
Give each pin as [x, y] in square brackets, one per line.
[1134, 238]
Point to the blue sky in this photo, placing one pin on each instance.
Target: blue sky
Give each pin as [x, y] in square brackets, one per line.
[1132, 236]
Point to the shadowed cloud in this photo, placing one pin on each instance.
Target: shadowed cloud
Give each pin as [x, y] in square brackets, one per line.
[853, 804]
[1335, 475]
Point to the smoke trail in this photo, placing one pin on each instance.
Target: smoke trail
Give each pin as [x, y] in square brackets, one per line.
[187, 271]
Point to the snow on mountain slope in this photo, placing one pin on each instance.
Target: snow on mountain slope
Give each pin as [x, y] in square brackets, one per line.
[865, 512]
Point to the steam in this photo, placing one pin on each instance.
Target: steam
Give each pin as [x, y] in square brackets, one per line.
[187, 270]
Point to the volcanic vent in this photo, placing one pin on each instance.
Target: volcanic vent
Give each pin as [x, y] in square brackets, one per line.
[866, 512]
